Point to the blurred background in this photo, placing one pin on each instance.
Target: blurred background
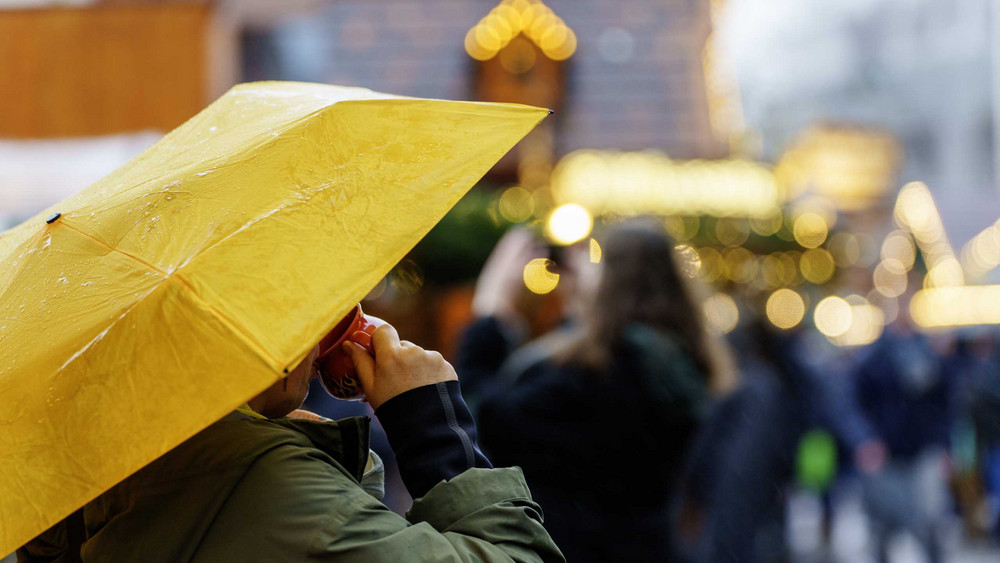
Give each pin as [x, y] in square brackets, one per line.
[828, 170]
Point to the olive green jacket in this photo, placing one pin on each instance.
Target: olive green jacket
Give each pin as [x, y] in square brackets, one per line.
[246, 489]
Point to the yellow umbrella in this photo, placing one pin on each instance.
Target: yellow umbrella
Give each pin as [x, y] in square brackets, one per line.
[144, 308]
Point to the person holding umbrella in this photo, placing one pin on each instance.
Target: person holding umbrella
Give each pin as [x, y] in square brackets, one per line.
[197, 280]
[258, 487]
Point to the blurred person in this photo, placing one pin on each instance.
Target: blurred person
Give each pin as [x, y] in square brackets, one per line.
[904, 395]
[270, 483]
[599, 413]
[975, 364]
[736, 485]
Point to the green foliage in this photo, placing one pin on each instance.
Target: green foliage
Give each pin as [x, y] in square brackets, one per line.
[456, 249]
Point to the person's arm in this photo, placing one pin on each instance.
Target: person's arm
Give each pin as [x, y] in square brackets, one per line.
[499, 326]
[466, 503]
[291, 506]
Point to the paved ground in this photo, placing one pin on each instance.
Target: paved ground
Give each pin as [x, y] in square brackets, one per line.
[851, 541]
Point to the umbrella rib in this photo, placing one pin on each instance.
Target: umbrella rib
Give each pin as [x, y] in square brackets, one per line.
[236, 329]
[118, 250]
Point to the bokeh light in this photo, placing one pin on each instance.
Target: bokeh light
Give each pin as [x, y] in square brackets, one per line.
[569, 223]
[810, 230]
[767, 225]
[712, 264]
[741, 265]
[539, 277]
[916, 211]
[505, 25]
[889, 278]
[732, 231]
[982, 253]
[956, 306]
[771, 271]
[516, 204]
[898, 245]
[785, 308]
[817, 265]
[867, 323]
[833, 316]
[721, 313]
[947, 272]
[595, 251]
[627, 183]
[845, 248]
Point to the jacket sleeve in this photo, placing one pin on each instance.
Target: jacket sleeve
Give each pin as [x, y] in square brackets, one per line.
[294, 506]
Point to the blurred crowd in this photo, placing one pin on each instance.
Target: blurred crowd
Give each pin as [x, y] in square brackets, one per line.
[644, 436]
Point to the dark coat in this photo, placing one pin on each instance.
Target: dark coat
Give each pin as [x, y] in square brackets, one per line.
[601, 450]
[905, 394]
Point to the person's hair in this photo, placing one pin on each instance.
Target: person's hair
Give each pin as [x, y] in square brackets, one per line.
[641, 282]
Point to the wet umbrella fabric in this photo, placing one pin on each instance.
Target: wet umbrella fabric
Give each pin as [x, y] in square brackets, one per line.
[144, 308]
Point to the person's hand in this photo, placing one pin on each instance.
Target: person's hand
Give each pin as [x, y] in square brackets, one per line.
[501, 281]
[397, 366]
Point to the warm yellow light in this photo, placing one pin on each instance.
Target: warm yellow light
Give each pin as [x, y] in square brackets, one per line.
[785, 308]
[501, 26]
[898, 245]
[946, 273]
[543, 20]
[688, 260]
[852, 167]
[982, 253]
[511, 19]
[569, 223]
[538, 277]
[627, 183]
[867, 323]
[767, 226]
[915, 209]
[682, 228]
[721, 313]
[553, 37]
[595, 251]
[833, 316]
[516, 204]
[564, 50]
[819, 205]
[845, 248]
[473, 47]
[741, 265]
[771, 271]
[789, 266]
[956, 306]
[488, 37]
[817, 265]
[732, 231]
[511, 15]
[890, 278]
[810, 230]
[712, 265]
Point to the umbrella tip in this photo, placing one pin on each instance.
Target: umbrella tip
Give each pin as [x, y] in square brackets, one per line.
[53, 218]
[551, 112]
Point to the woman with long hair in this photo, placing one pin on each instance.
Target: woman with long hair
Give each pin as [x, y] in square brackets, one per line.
[599, 414]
